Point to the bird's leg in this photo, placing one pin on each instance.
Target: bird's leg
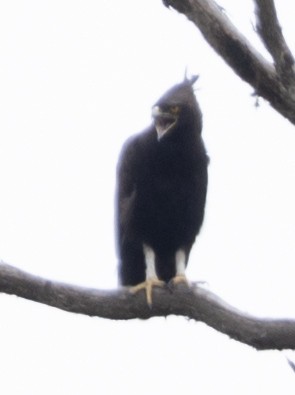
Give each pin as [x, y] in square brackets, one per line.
[151, 279]
[180, 259]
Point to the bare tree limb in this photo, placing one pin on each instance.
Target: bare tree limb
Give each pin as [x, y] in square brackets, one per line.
[195, 303]
[238, 53]
[270, 31]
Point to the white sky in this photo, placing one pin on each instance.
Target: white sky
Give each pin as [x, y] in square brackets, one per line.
[77, 78]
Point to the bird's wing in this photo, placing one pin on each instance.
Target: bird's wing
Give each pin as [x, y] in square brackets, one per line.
[126, 185]
[126, 176]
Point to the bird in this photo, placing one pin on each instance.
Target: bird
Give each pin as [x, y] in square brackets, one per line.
[161, 190]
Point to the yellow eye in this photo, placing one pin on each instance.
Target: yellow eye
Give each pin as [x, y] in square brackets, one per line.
[174, 110]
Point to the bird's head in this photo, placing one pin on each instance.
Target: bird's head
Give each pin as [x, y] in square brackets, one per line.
[177, 107]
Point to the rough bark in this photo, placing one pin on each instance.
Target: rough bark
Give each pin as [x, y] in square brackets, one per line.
[270, 31]
[193, 302]
[275, 81]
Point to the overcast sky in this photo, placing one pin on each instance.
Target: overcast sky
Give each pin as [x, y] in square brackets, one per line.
[77, 79]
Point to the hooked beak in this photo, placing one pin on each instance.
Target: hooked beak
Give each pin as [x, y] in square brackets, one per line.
[164, 121]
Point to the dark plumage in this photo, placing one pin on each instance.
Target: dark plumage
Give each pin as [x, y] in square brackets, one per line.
[161, 191]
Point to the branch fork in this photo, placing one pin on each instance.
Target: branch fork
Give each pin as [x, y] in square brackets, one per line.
[274, 81]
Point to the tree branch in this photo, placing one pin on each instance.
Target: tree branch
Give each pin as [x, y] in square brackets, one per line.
[195, 302]
[238, 53]
[270, 31]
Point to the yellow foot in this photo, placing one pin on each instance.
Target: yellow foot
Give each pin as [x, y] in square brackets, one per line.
[180, 278]
[148, 285]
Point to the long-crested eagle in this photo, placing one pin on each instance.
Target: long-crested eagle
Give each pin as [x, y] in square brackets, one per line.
[161, 192]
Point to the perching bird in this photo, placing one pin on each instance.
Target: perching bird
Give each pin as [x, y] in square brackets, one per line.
[161, 193]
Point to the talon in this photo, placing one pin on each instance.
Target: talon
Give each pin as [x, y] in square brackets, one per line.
[148, 286]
